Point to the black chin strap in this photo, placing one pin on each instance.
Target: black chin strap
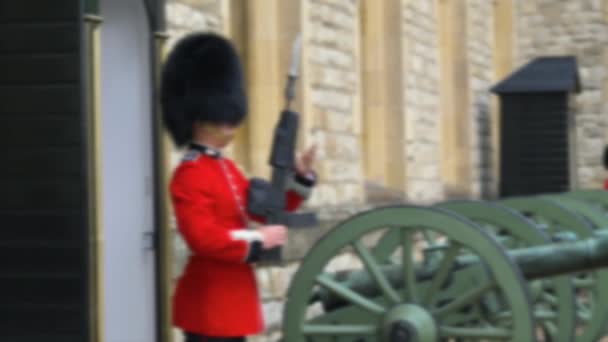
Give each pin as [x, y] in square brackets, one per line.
[206, 150]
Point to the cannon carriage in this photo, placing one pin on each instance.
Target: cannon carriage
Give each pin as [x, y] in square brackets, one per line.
[518, 269]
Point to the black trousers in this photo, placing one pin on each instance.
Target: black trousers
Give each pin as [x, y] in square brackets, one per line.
[200, 338]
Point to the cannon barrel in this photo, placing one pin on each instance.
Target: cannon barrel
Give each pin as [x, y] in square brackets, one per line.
[562, 258]
[534, 262]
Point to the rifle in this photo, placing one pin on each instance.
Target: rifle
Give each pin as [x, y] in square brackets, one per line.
[267, 199]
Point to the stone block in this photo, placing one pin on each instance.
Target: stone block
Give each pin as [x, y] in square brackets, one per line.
[301, 240]
[413, 94]
[337, 122]
[334, 78]
[585, 174]
[424, 192]
[332, 99]
[324, 35]
[422, 153]
[424, 132]
[281, 278]
[342, 20]
[182, 15]
[350, 193]
[343, 146]
[323, 195]
[206, 5]
[428, 172]
[319, 12]
[343, 262]
[318, 137]
[317, 74]
[273, 314]
[265, 283]
[341, 170]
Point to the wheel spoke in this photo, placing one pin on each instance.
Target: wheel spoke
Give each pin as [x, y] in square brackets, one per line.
[467, 298]
[583, 307]
[551, 329]
[544, 315]
[476, 333]
[503, 316]
[386, 245]
[349, 295]
[429, 238]
[549, 298]
[343, 329]
[374, 269]
[410, 292]
[442, 273]
[584, 315]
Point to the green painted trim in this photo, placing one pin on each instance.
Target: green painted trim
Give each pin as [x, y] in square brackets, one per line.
[91, 7]
[161, 20]
[90, 26]
[164, 242]
[155, 10]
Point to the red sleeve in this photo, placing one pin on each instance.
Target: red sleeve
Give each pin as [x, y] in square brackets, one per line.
[606, 184]
[294, 201]
[300, 189]
[196, 220]
[293, 198]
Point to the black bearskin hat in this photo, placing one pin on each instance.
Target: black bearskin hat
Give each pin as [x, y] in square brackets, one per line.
[202, 80]
[605, 157]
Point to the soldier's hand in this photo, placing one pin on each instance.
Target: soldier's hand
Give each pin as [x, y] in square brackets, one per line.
[273, 236]
[304, 162]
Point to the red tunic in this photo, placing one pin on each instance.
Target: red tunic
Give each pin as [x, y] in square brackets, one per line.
[217, 294]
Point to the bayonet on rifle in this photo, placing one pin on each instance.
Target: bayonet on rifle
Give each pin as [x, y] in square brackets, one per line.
[267, 199]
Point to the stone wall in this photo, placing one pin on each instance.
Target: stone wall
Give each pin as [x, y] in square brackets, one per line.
[184, 16]
[579, 28]
[421, 101]
[334, 87]
[480, 56]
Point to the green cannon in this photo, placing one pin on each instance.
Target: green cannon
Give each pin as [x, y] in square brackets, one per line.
[459, 271]
[578, 301]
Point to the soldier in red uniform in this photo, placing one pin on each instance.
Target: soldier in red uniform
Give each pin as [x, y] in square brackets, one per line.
[203, 102]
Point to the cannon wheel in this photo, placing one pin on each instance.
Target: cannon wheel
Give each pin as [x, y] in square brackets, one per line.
[555, 306]
[595, 198]
[403, 312]
[584, 208]
[598, 196]
[591, 314]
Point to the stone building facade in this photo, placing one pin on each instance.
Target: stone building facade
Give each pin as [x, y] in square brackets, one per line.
[421, 102]
[395, 93]
[577, 28]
